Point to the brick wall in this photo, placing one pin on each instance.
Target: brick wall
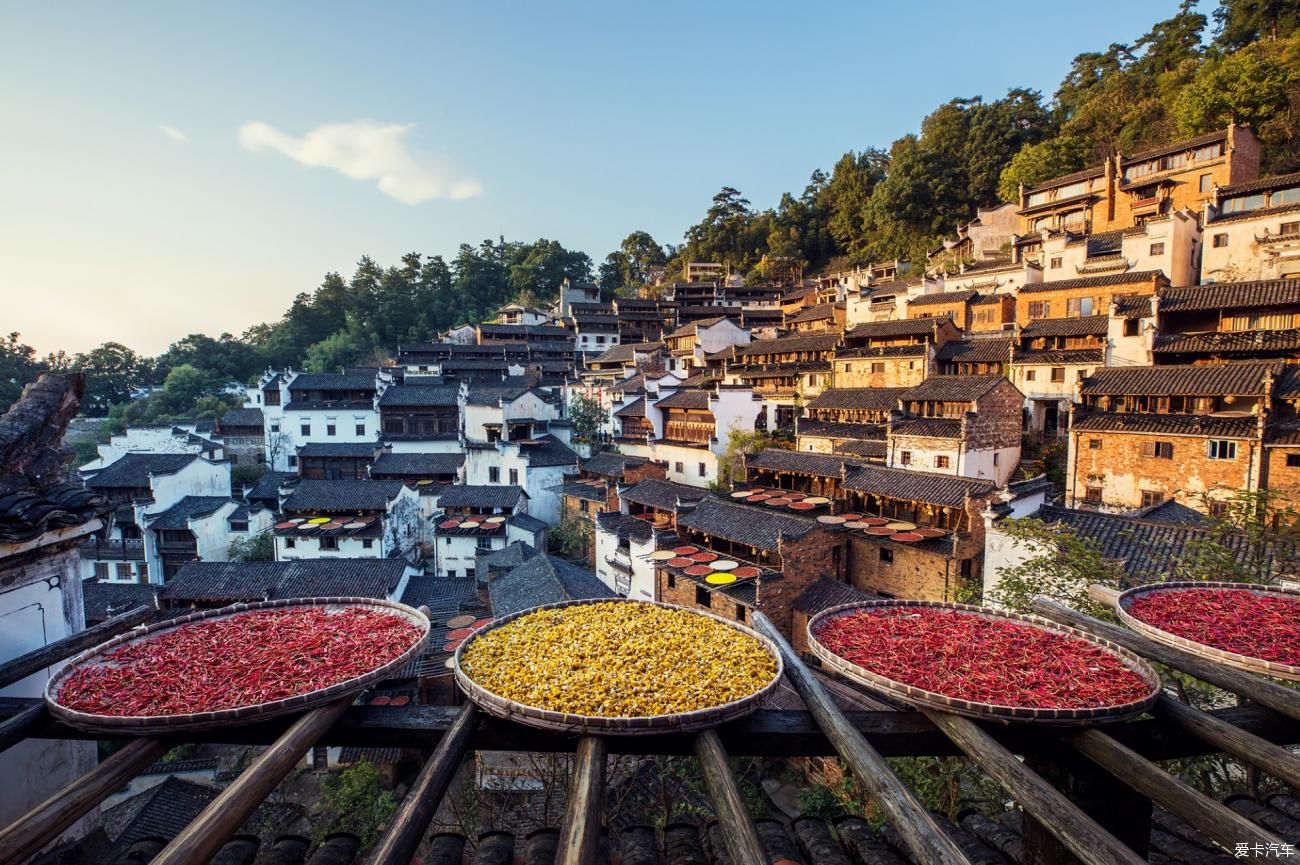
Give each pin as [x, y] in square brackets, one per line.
[636, 474]
[1059, 299]
[997, 419]
[1280, 477]
[1004, 312]
[957, 309]
[896, 371]
[913, 573]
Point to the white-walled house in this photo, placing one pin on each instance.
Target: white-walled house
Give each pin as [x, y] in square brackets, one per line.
[536, 465]
[688, 430]
[492, 413]
[196, 529]
[472, 519]
[170, 439]
[1169, 243]
[1252, 231]
[349, 519]
[301, 408]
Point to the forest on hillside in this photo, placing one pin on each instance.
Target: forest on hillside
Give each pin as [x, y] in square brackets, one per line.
[1187, 75]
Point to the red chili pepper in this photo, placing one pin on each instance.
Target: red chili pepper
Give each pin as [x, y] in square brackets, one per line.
[983, 660]
[1255, 624]
[241, 660]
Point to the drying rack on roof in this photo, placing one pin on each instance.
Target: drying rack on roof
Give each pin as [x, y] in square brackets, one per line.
[1083, 795]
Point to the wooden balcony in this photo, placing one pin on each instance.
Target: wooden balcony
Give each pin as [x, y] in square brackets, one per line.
[688, 432]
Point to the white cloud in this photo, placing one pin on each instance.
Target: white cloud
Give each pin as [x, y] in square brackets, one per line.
[365, 150]
[173, 133]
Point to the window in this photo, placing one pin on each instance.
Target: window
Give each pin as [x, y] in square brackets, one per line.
[514, 477]
[995, 457]
[329, 543]
[1289, 229]
[446, 542]
[878, 367]
[701, 469]
[1132, 326]
[740, 613]
[1218, 509]
[1209, 151]
[305, 429]
[1220, 449]
[361, 429]
[1054, 263]
[1157, 249]
[941, 462]
[494, 475]
[275, 427]
[239, 526]
[1151, 498]
[1078, 306]
[1293, 461]
[1040, 308]
[1058, 373]
[703, 597]
[1206, 182]
[1158, 450]
[330, 429]
[1092, 495]
[367, 543]
[1220, 240]
[143, 570]
[469, 573]
[293, 461]
[451, 573]
[600, 339]
[124, 570]
[905, 458]
[483, 543]
[672, 581]
[584, 505]
[1094, 444]
[290, 543]
[679, 468]
[101, 570]
[886, 556]
[1031, 374]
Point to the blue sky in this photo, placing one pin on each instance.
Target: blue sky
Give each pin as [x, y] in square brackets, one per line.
[171, 169]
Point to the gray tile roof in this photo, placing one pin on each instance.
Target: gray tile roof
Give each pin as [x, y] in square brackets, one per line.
[354, 380]
[953, 388]
[541, 580]
[624, 353]
[743, 524]
[442, 595]
[890, 329]
[803, 462]
[1129, 306]
[876, 449]
[636, 408]
[186, 509]
[206, 582]
[945, 296]
[1168, 424]
[1130, 278]
[480, 496]
[1231, 295]
[420, 395]
[1088, 325]
[815, 313]
[338, 450]
[799, 342]
[661, 495]
[342, 495]
[267, 487]
[102, 600]
[1239, 379]
[1263, 184]
[827, 593]
[161, 811]
[527, 523]
[1059, 356]
[625, 526]
[916, 349]
[133, 470]
[975, 351]
[547, 450]
[416, 465]
[584, 491]
[864, 398]
[242, 417]
[30, 512]
[1229, 341]
[686, 399]
[928, 427]
[611, 464]
[806, 427]
[915, 486]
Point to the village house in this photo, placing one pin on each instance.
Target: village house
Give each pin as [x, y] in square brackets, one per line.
[987, 236]
[975, 356]
[418, 470]
[542, 579]
[518, 314]
[575, 292]
[956, 305]
[1253, 231]
[891, 353]
[764, 296]
[788, 553]
[196, 529]
[1052, 357]
[595, 326]
[1228, 321]
[692, 293]
[688, 430]
[885, 302]
[784, 372]
[472, 519]
[348, 519]
[538, 464]
[1127, 190]
[243, 436]
[626, 537]
[1145, 435]
[439, 362]
[642, 320]
[822, 318]
[421, 418]
[137, 485]
[994, 276]
[848, 420]
[960, 425]
[762, 322]
[1085, 295]
[594, 490]
[182, 437]
[1170, 244]
[690, 344]
[492, 413]
[943, 565]
[1282, 438]
[336, 460]
[629, 358]
[299, 408]
[525, 334]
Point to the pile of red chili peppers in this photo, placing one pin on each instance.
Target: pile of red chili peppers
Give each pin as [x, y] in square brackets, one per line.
[240, 660]
[1255, 624]
[981, 659]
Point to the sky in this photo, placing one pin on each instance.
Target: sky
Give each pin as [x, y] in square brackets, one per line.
[171, 168]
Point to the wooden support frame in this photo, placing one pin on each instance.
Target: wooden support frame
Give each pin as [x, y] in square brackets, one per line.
[585, 809]
[736, 825]
[60, 650]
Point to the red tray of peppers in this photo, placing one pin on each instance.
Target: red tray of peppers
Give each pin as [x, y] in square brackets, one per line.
[982, 662]
[241, 663]
[1244, 625]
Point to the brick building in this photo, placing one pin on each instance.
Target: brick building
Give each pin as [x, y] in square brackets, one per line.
[1051, 357]
[1228, 321]
[891, 353]
[1084, 296]
[966, 425]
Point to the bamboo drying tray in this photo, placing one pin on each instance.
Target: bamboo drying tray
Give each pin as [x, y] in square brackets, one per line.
[924, 699]
[645, 725]
[143, 724]
[1288, 672]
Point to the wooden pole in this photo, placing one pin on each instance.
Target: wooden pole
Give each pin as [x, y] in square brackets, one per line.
[1091, 843]
[1260, 753]
[41, 825]
[1220, 822]
[199, 841]
[413, 816]
[585, 809]
[925, 841]
[1262, 691]
[14, 730]
[60, 650]
[734, 822]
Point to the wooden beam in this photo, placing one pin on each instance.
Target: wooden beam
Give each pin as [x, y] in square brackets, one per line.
[17, 727]
[21, 667]
[1262, 691]
[1258, 752]
[734, 821]
[200, 840]
[411, 821]
[28, 834]
[1216, 820]
[928, 844]
[584, 811]
[1076, 830]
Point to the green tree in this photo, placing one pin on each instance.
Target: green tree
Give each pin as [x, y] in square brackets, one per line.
[587, 416]
[354, 801]
[1238, 23]
[1253, 537]
[571, 537]
[740, 444]
[18, 368]
[258, 548]
[1043, 161]
[1058, 563]
[184, 386]
[1246, 86]
[112, 371]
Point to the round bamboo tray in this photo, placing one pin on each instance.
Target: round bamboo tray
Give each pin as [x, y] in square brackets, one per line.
[646, 725]
[143, 724]
[1274, 669]
[924, 699]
